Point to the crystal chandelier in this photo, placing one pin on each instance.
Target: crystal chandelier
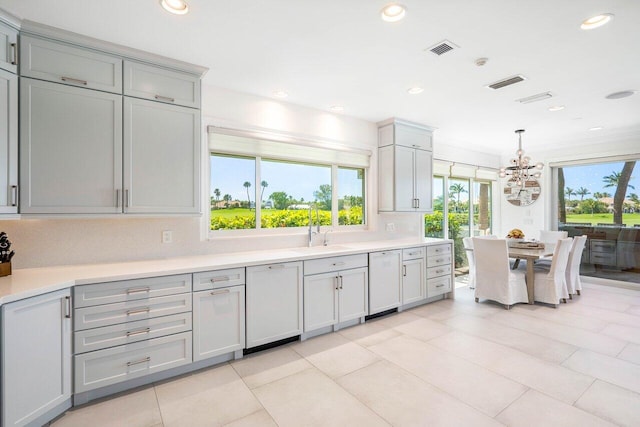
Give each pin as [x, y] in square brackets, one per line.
[520, 169]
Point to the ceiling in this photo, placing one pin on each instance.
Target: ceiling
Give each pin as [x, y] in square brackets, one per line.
[332, 52]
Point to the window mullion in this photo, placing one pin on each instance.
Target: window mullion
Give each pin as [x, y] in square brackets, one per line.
[334, 196]
[256, 196]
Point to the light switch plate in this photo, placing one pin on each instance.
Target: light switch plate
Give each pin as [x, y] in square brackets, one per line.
[167, 236]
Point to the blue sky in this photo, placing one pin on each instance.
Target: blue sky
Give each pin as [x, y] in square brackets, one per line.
[299, 181]
[590, 177]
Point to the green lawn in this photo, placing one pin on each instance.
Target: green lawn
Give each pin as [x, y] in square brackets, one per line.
[233, 212]
[604, 218]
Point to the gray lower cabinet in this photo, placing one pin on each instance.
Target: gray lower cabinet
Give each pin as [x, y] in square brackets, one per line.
[274, 302]
[385, 280]
[439, 269]
[413, 275]
[70, 149]
[36, 359]
[8, 143]
[218, 313]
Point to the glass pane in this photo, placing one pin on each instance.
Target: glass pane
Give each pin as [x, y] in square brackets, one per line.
[289, 189]
[434, 222]
[459, 217]
[481, 208]
[351, 196]
[601, 202]
[232, 190]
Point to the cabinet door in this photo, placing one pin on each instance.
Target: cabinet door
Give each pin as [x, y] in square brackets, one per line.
[70, 149]
[36, 358]
[161, 158]
[159, 84]
[8, 142]
[404, 179]
[320, 301]
[218, 322]
[8, 48]
[423, 180]
[274, 302]
[413, 137]
[384, 280]
[353, 296]
[413, 280]
[386, 178]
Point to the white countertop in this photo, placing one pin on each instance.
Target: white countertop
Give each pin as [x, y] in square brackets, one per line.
[24, 283]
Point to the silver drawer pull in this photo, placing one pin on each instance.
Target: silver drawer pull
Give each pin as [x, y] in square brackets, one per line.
[439, 271]
[220, 279]
[72, 80]
[439, 260]
[139, 311]
[138, 290]
[414, 253]
[137, 362]
[439, 286]
[164, 98]
[14, 57]
[138, 332]
[339, 263]
[221, 291]
[273, 267]
[14, 195]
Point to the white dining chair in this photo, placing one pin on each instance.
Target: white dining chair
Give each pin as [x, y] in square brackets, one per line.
[551, 237]
[494, 279]
[573, 265]
[468, 246]
[551, 287]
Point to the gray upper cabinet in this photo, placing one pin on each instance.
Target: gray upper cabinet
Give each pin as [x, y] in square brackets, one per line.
[8, 48]
[63, 63]
[8, 143]
[71, 149]
[159, 84]
[161, 158]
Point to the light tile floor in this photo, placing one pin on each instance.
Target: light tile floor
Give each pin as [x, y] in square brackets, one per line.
[449, 363]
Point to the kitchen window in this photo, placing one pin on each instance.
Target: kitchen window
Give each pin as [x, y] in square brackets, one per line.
[268, 184]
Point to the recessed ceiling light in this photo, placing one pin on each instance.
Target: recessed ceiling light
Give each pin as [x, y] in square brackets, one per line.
[415, 90]
[178, 7]
[336, 108]
[280, 94]
[556, 108]
[596, 21]
[393, 12]
[596, 128]
[623, 94]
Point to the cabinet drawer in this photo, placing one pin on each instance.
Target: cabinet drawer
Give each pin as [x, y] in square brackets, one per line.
[160, 84]
[62, 63]
[440, 270]
[413, 253]
[130, 332]
[603, 246]
[438, 250]
[438, 286]
[434, 261]
[121, 312]
[326, 265]
[603, 258]
[218, 279]
[129, 290]
[113, 365]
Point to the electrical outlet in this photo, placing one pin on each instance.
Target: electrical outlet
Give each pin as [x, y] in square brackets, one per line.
[527, 221]
[167, 236]
[390, 226]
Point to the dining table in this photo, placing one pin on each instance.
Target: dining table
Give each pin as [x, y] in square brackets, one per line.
[530, 255]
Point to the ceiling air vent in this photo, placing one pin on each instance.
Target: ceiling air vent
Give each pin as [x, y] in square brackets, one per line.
[443, 47]
[534, 98]
[507, 82]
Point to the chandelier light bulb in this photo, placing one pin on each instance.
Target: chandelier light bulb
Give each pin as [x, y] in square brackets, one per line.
[539, 165]
[537, 175]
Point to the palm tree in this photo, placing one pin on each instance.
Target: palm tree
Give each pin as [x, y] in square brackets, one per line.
[620, 180]
[263, 184]
[246, 185]
[216, 192]
[457, 189]
[569, 192]
[635, 200]
[582, 192]
[227, 198]
[602, 195]
[562, 206]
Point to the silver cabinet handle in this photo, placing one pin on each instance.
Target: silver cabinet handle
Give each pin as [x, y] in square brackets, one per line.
[138, 332]
[14, 195]
[404, 270]
[439, 260]
[72, 80]
[164, 98]
[138, 290]
[117, 198]
[417, 203]
[439, 271]
[341, 281]
[67, 307]
[439, 286]
[126, 198]
[14, 57]
[339, 263]
[220, 279]
[275, 266]
[221, 291]
[139, 311]
[137, 362]
[337, 282]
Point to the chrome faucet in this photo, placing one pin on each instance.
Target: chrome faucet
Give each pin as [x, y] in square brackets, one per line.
[311, 232]
[326, 237]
